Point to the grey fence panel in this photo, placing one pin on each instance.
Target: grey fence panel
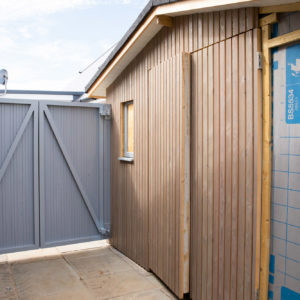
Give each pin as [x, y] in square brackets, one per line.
[19, 206]
[73, 162]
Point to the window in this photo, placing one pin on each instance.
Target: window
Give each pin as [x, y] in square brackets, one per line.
[128, 130]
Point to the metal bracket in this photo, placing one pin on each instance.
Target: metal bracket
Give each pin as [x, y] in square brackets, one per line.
[105, 232]
[105, 111]
[257, 294]
[259, 61]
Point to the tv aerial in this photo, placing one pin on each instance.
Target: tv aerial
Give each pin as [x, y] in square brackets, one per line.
[3, 80]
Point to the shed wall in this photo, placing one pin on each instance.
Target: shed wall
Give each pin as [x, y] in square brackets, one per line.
[130, 182]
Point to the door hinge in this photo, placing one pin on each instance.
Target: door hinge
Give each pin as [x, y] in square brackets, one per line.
[105, 111]
[259, 61]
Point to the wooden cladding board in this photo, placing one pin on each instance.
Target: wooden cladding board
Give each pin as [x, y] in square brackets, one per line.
[225, 159]
[169, 172]
[129, 182]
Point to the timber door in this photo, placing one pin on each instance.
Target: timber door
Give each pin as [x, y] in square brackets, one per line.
[225, 171]
[169, 190]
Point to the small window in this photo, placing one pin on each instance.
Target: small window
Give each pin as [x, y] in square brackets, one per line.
[128, 129]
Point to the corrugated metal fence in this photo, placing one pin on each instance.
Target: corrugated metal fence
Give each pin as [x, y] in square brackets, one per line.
[54, 174]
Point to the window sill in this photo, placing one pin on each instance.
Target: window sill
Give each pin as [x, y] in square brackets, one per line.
[126, 159]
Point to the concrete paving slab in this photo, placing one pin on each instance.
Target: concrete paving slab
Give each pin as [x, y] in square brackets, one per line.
[7, 286]
[47, 278]
[94, 266]
[118, 284]
[130, 262]
[86, 272]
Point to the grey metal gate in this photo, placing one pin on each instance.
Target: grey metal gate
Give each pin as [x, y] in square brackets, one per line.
[62, 194]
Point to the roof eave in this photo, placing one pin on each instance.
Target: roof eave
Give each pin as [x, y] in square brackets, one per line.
[147, 29]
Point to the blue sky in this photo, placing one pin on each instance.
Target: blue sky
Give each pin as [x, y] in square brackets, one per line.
[44, 43]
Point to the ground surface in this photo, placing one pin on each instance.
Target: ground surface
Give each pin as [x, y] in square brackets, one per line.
[99, 272]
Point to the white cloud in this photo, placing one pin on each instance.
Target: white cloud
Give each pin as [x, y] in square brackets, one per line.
[35, 57]
[25, 32]
[50, 65]
[6, 39]
[20, 9]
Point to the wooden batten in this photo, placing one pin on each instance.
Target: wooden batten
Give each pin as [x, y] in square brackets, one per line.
[266, 166]
[287, 7]
[258, 159]
[283, 39]
[185, 171]
[268, 20]
[164, 21]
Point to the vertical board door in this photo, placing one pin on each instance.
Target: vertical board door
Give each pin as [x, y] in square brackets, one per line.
[19, 210]
[169, 172]
[284, 278]
[74, 173]
[225, 170]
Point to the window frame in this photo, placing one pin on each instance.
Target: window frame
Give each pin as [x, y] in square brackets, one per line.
[125, 129]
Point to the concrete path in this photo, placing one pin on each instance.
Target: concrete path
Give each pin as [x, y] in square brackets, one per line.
[84, 271]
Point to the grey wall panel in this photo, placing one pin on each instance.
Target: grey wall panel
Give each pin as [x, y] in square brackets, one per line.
[18, 177]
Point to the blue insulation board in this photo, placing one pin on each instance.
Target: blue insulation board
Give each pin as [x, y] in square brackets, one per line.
[284, 280]
[292, 109]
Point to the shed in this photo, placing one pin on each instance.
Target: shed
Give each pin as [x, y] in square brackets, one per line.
[191, 156]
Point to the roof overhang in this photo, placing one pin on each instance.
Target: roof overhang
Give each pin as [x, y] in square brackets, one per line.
[159, 17]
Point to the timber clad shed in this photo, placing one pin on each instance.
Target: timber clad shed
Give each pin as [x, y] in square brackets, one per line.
[191, 157]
